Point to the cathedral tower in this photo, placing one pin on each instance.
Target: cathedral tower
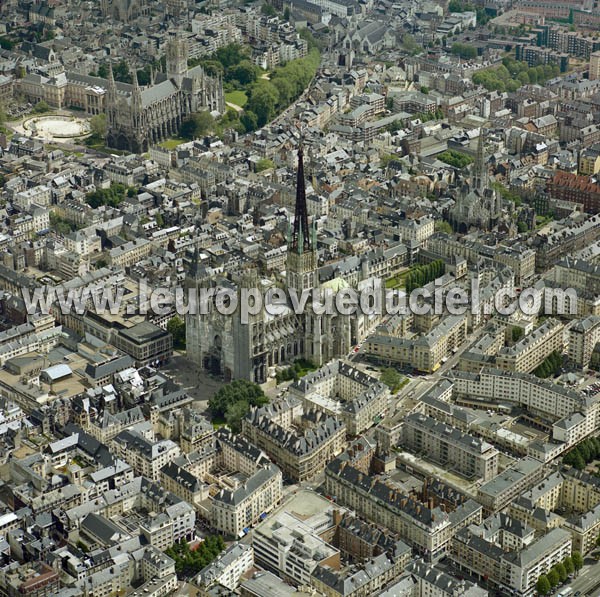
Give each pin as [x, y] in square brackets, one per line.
[177, 55]
[302, 245]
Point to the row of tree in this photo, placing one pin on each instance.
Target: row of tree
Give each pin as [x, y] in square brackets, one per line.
[559, 573]
[268, 97]
[189, 562]
[585, 452]
[512, 74]
[423, 274]
[550, 365]
[233, 401]
[300, 368]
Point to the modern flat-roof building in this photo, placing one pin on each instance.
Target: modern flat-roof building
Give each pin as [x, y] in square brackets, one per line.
[532, 349]
[450, 447]
[510, 483]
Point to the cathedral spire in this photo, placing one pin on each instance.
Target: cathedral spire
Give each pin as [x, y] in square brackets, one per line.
[480, 166]
[136, 97]
[301, 236]
[112, 88]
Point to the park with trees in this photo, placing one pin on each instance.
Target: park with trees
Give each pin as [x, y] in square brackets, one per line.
[188, 561]
[513, 74]
[233, 401]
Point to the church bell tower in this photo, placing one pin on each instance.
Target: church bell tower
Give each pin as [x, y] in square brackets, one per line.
[177, 55]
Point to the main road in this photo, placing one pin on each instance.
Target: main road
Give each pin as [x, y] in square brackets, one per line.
[588, 579]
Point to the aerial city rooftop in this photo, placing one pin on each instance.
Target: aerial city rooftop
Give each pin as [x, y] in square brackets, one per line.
[300, 297]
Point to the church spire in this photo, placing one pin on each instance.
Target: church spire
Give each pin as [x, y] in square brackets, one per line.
[112, 88]
[136, 97]
[480, 166]
[301, 236]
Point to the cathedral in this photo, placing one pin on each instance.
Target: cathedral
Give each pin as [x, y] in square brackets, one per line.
[477, 205]
[138, 117]
[224, 345]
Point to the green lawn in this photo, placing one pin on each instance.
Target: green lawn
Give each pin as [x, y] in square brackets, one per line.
[397, 281]
[171, 143]
[239, 98]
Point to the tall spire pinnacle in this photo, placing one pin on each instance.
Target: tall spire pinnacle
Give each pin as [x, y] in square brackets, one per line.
[480, 167]
[301, 236]
[111, 95]
[137, 93]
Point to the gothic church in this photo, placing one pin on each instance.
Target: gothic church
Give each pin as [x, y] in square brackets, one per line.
[138, 117]
[224, 345]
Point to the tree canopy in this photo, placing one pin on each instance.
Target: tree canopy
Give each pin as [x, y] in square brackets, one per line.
[392, 379]
[512, 74]
[550, 366]
[423, 274]
[197, 125]
[553, 577]
[176, 327]
[188, 562]
[454, 158]
[543, 586]
[464, 50]
[111, 196]
[239, 390]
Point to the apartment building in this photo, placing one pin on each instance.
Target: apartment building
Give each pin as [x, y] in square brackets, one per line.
[428, 530]
[145, 456]
[234, 511]
[450, 447]
[300, 453]
[228, 568]
[583, 337]
[594, 66]
[415, 230]
[424, 353]
[567, 498]
[373, 575]
[519, 258]
[535, 394]
[430, 581]
[535, 55]
[342, 391]
[576, 189]
[40, 195]
[529, 352]
[507, 554]
[130, 253]
[510, 483]
[183, 484]
[552, 247]
[174, 523]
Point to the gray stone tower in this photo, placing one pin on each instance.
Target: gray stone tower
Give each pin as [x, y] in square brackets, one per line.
[177, 55]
